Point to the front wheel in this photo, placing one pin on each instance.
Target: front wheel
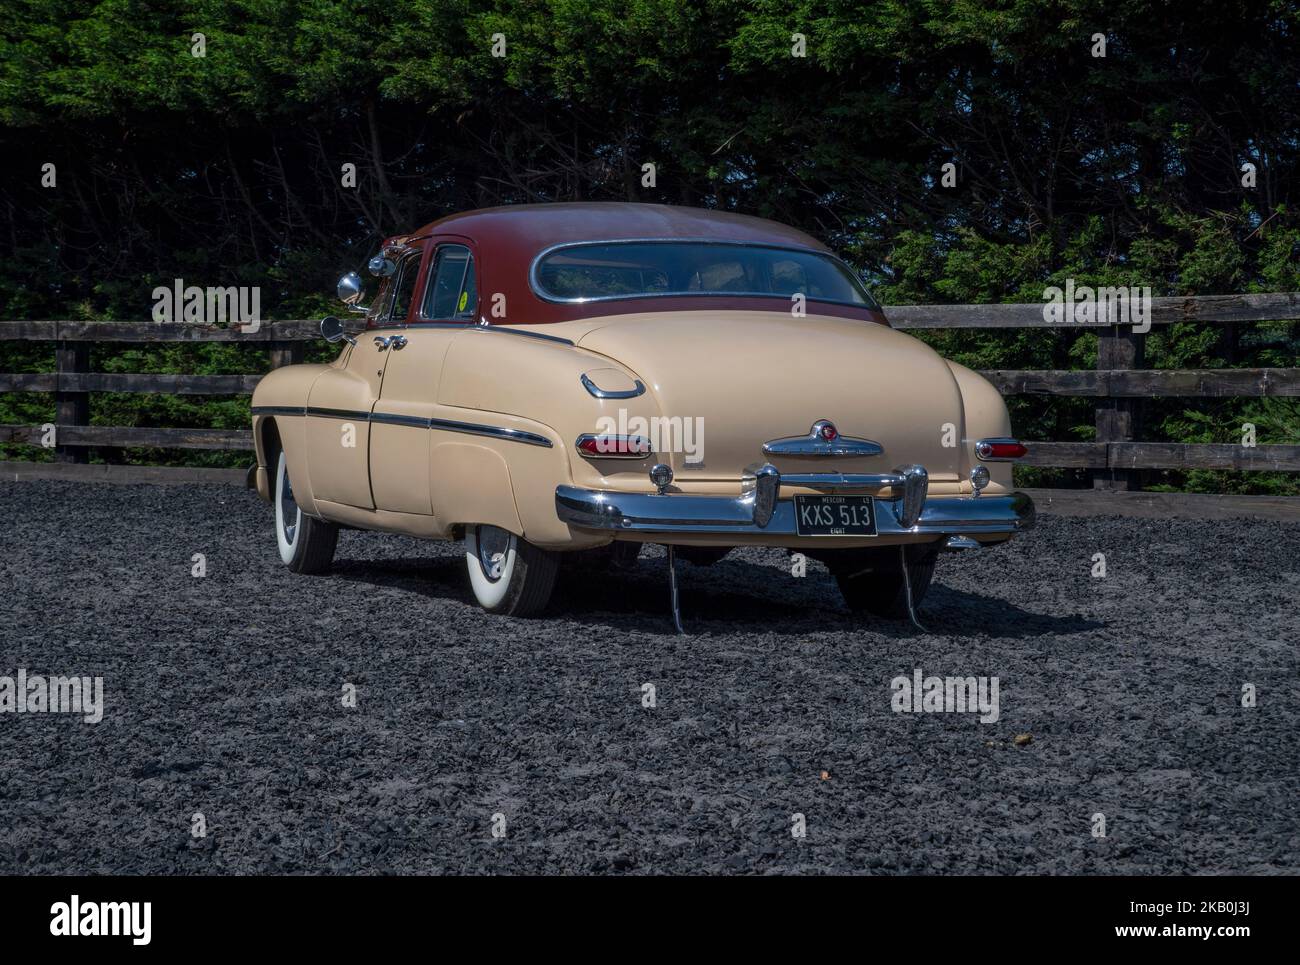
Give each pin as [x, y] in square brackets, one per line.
[508, 574]
[872, 581]
[306, 543]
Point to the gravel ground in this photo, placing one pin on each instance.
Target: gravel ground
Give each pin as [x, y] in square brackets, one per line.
[223, 697]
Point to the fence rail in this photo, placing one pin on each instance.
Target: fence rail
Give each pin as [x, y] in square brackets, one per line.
[1103, 384]
[1119, 382]
[1225, 309]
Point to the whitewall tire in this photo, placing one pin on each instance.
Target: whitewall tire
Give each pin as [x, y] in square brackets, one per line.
[508, 574]
[306, 544]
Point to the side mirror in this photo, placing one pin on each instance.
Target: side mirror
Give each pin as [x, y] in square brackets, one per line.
[350, 290]
[332, 329]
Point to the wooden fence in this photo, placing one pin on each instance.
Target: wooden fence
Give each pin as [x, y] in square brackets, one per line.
[1119, 383]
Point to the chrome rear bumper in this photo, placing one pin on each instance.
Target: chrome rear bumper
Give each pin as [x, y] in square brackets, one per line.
[685, 513]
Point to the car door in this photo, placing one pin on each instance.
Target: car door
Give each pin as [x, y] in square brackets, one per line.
[342, 399]
[400, 464]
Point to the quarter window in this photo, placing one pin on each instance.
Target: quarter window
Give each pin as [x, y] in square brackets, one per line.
[452, 295]
[407, 271]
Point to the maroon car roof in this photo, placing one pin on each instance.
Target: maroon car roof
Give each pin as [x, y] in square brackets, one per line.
[540, 225]
[507, 239]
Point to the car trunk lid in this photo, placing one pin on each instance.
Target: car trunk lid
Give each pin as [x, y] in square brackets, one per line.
[746, 378]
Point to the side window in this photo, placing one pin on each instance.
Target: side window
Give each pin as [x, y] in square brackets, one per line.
[452, 295]
[407, 272]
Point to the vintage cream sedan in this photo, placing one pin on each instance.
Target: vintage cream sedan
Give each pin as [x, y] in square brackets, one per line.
[556, 379]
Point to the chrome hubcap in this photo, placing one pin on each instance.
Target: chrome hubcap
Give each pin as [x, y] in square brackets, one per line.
[288, 508]
[493, 544]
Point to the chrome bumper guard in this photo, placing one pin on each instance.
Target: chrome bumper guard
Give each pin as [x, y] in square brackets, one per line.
[760, 510]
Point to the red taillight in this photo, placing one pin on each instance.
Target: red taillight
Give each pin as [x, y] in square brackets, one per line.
[995, 449]
[613, 447]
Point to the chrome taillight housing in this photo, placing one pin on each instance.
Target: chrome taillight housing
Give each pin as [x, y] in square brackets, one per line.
[609, 446]
[999, 450]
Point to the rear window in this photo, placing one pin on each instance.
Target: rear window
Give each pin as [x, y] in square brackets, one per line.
[645, 269]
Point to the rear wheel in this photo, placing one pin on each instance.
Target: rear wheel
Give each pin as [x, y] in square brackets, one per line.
[306, 543]
[872, 580]
[508, 574]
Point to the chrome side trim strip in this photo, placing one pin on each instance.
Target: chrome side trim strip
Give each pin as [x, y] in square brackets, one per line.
[392, 419]
[600, 393]
[497, 432]
[415, 422]
[337, 413]
[279, 410]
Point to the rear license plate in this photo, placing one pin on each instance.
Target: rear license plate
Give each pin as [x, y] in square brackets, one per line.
[835, 516]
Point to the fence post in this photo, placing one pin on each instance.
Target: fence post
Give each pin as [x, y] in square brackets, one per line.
[71, 408]
[1117, 419]
[286, 353]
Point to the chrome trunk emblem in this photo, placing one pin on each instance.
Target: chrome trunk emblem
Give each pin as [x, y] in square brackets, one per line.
[823, 439]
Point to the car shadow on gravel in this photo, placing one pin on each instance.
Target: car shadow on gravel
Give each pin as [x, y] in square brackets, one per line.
[440, 577]
[645, 603]
[594, 598]
[952, 611]
[738, 592]
[728, 594]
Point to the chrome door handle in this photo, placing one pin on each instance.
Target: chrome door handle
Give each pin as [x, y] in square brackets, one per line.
[381, 342]
[397, 342]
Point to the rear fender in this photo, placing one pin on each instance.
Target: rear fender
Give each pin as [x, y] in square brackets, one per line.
[986, 417]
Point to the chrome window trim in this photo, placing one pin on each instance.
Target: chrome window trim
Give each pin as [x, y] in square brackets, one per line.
[600, 393]
[489, 327]
[409, 254]
[400, 249]
[475, 325]
[431, 277]
[534, 283]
